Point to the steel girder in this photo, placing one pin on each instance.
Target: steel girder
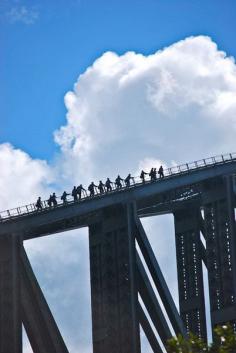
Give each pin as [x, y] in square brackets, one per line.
[117, 276]
[149, 331]
[151, 303]
[21, 299]
[40, 326]
[10, 296]
[158, 279]
[190, 274]
[113, 282]
[221, 253]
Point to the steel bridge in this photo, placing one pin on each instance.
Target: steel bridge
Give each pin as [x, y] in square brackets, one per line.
[201, 197]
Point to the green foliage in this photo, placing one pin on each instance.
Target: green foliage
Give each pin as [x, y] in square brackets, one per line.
[181, 345]
[224, 342]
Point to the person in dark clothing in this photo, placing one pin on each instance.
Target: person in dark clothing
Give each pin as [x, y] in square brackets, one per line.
[38, 204]
[161, 172]
[127, 180]
[54, 199]
[101, 187]
[74, 193]
[142, 176]
[153, 174]
[79, 191]
[108, 185]
[118, 182]
[64, 197]
[91, 188]
[49, 201]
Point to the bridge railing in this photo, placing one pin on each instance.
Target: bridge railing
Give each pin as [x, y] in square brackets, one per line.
[199, 164]
[168, 173]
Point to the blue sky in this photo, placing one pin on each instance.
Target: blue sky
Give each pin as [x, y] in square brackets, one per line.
[174, 102]
[40, 61]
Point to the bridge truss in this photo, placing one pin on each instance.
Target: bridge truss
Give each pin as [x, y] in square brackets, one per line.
[125, 274]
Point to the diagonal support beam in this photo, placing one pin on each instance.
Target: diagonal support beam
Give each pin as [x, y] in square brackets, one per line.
[10, 313]
[150, 301]
[158, 279]
[203, 232]
[40, 326]
[202, 225]
[148, 331]
[203, 253]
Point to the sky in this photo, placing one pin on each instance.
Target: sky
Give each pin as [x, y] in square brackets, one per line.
[90, 89]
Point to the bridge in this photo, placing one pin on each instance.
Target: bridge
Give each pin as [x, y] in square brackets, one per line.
[201, 197]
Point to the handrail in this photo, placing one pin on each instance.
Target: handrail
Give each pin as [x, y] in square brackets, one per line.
[168, 173]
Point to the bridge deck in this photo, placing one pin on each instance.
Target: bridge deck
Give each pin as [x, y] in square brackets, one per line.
[32, 223]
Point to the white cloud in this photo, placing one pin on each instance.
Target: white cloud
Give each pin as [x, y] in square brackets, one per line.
[126, 113]
[22, 179]
[23, 14]
[127, 108]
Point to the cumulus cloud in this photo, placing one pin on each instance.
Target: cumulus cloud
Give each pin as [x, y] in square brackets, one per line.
[125, 113]
[126, 108]
[22, 179]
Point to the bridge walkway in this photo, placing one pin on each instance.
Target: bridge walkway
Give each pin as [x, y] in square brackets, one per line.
[169, 174]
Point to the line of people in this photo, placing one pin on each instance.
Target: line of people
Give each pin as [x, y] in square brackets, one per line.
[79, 191]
